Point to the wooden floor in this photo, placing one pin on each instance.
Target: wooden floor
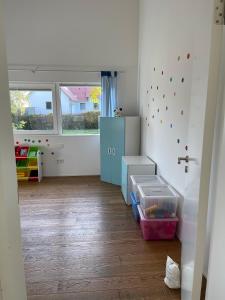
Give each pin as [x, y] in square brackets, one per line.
[81, 242]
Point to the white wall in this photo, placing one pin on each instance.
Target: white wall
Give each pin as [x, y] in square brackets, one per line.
[164, 47]
[12, 281]
[78, 35]
[88, 35]
[67, 155]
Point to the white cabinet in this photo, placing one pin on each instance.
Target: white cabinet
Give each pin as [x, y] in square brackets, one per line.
[134, 165]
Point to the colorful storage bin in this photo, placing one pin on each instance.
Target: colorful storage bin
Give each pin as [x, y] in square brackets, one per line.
[157, 229]
[149, 180]
[135, 203]
[158, 201]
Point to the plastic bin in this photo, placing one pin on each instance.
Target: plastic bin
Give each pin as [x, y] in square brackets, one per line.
[158, 201]
[150, 180]
[135, 203]
[157, 229]
[21, 163]
[21, 151]
[33, 152]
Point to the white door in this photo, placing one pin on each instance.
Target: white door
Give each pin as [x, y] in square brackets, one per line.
[207, 42]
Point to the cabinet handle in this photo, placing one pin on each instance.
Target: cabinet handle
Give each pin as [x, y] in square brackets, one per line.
[113, 151]
[109, 150]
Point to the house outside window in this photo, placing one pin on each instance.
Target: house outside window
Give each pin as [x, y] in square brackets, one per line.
[80, 108]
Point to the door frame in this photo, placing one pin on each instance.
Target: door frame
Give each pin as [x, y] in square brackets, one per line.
[207, 152]
[12, 279]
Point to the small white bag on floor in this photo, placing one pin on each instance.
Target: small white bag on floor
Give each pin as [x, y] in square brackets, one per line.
[172, 279]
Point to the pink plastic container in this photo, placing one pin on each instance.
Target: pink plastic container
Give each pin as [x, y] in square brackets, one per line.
[157, 229]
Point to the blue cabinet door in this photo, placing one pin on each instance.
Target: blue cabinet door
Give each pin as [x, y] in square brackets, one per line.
[118, 149]
[112, 148]
[105, 150]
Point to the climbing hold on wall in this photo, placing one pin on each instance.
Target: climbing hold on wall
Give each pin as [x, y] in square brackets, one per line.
[153, 116]
[17, 142]
[39, 141]
[153, 99]
[162, 72]
[182, 112]
[33, 141]
[154, 69]
[157, 87]
[171, 125]
[52, 153]
[164, 96]
[46, 140]
[174, 94]
[42, 153]
[182, 80]
[178, 58]
[186, 148]
[178, 141]
[166, 107]
[158, 110]
[171, 79]
[188, 56]
[25, 140]
[151, 87]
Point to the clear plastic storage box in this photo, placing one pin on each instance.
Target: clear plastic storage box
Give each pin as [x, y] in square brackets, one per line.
[157, 229]
[158, 201]
[150, 180]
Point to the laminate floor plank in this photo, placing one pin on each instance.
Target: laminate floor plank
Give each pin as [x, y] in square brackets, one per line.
[80, 241]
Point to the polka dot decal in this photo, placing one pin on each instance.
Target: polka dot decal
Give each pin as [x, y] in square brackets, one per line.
[219, 12]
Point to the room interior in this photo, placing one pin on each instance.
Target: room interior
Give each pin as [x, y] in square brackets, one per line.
[101, 92]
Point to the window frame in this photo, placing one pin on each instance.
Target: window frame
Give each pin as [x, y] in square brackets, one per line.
[36, 87]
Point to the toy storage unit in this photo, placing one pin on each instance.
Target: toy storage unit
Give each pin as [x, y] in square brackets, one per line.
[28, 163]
[134, 165]
[158, 201]
[118, 137]
[157, 229]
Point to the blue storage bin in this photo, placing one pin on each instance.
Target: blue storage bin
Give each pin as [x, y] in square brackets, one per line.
[135, 203]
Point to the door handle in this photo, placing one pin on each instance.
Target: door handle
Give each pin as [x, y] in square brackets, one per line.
[113, 151]
[109, 150]
[180, 159]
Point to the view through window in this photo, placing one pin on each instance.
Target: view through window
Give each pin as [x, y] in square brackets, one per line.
[80, 107]
[32, 109]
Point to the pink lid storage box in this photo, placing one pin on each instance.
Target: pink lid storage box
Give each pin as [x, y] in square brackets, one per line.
[157, 229]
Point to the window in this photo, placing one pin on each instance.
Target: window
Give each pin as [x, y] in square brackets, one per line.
[48, 105]
[80, 107]
[55, 109]
[32, 108]
[96, 106]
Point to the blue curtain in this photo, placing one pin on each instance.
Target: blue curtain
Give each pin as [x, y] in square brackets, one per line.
[109, 93]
